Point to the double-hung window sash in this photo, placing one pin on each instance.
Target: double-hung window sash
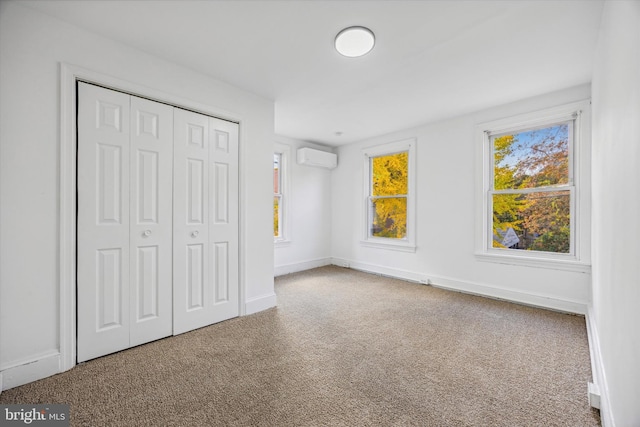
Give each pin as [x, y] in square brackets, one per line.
[531, 197]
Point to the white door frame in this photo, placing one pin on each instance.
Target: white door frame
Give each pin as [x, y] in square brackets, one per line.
[69, 74]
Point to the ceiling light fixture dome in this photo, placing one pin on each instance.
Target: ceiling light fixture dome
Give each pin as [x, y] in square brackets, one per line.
[355, 41]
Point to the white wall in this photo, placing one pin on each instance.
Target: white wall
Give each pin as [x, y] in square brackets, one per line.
[309, 213]
[616, 204]
[446, 210]
[32, 45]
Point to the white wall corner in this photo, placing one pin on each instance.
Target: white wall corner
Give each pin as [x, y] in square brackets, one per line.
[599, 386]
[377, 269]
[261, 303]
[340, 262]
[281, 270]
[29, 371]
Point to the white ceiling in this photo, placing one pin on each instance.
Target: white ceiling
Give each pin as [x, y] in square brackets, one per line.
[432, 59]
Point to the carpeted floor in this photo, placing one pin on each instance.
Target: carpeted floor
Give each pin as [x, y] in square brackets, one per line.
[344, 348]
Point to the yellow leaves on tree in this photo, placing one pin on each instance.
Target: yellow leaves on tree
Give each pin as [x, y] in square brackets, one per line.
[506, 207]
[389, 188]
[276, 194]
[276, 216]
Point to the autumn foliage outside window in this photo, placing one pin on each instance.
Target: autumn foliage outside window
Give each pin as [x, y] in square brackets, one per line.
[531, 197]
[388, 197]
[277, 196]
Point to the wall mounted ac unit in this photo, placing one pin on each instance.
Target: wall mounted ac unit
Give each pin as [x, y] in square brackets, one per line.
[311, 157]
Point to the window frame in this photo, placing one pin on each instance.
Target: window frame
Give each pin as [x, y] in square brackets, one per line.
[578, 185]
[284, 239]
[408, 243]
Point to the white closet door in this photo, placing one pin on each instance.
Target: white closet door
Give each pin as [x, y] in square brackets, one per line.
[103, 221]
[125, 150]
[151, 222]
[190, 220]
[224, 220]
[205, 220]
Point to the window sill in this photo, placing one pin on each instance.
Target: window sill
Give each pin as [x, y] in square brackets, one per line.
[402, 247]
[537, 262]
[281, 243]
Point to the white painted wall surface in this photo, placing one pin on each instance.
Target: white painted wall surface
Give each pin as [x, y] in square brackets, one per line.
[616, 204]
[32, 45]
[309, 213]
[446, 175]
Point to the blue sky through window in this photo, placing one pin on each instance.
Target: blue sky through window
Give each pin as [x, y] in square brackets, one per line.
[532, 143]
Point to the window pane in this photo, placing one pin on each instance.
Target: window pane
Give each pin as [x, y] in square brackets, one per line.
[389, 174]
[389, 217]
[276, 216]
[536, 221]
[532, 159]
[276, 173]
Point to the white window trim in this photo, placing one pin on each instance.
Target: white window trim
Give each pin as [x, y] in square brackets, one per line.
[285, 190]
[579, 165]
[408, 244]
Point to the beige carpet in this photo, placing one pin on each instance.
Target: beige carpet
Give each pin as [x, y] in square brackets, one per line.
[344, 348]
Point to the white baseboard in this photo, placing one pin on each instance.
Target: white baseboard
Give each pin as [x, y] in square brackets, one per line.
[526, 298]
[377, 269]
[30, 371]
[533, 299]
[597, 369]
[281, 270]
[46, 365]
[254, 305]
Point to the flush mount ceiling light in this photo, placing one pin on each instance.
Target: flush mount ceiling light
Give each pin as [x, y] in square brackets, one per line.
[355, 41]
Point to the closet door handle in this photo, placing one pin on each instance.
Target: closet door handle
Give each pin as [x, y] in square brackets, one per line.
[147, 233]
[195, 233]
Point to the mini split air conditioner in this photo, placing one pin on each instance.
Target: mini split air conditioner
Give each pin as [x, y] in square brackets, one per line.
[312, 157]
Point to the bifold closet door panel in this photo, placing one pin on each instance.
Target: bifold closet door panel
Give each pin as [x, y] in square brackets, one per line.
[103, 221]
[224, 221]
[158, 237]
[206, 239]
[125, 161]
[190, 221]
[151, 221]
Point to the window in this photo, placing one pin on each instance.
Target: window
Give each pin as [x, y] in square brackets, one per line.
[389, 193]
[277, 196]
[532, 190]
[531, 200]
[281, 195]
